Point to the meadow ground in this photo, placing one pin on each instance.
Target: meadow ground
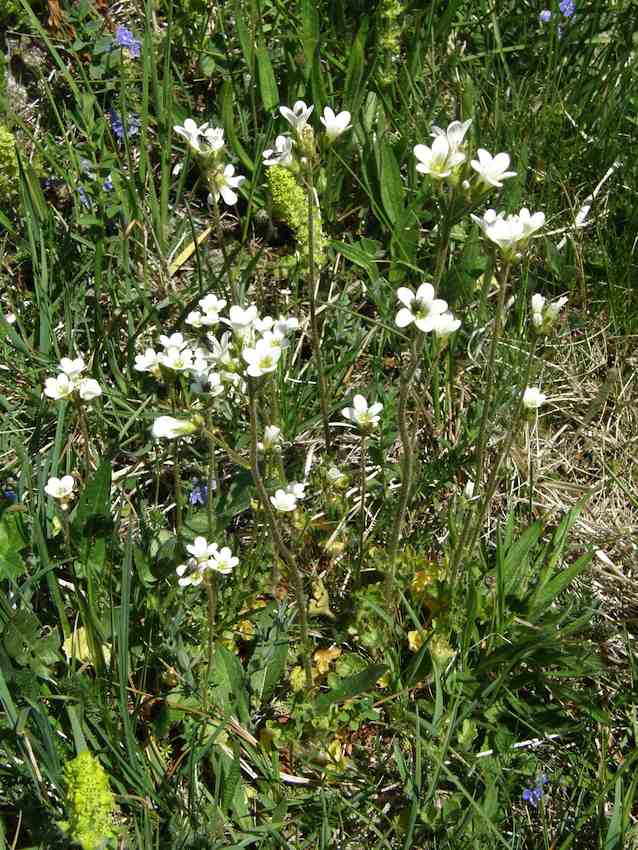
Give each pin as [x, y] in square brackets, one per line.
[318, 496]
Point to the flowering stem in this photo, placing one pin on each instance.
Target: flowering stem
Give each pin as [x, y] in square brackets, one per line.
[222, 244]
[316, 338]
[284, 552]
[212, 479]
[211, 592]
[177, 479]
[232, 454]
[85, 438]
[363, 509]
[407, 465]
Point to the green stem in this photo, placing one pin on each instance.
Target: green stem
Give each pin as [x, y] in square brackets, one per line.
[85, 438]
[212, 480]
[407, 466]
[211, 592]
[492, 481]
[284, 552]
[179, 499]
[362, 531]
[217, 219]
[314, 328]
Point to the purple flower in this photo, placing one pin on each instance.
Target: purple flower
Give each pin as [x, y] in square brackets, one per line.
[124, 39]
[108, 184]
[567, 7]
[118, 126]
[545, 16]
[9, 495]
[199, 494]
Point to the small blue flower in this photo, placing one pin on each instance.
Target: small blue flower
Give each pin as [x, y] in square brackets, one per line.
[199, 494]
[108, 184]
[117, 124]
[533, 796]
[124, 39]
[545, 16]
[567, 7]
[9, 495]
[84, 200]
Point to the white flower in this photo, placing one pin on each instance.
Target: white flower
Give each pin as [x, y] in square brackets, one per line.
[194, 319]
[533, 398]
[272, 439]
[147, 362]
[88, 389]
[261, 359]
[298, 490]
[173, 341]
[176, 359]
[220, 353]
[492, 169]
[223, 561]
[224, 184]
[445, 324]
[214, 137]
[242, 321]
[298, 116]
[283, 501]
[455, 134]
[544, 313]
[285, 326]
[201, 550]
[61, 489]
[170, 428]
[421, 308]
[59, 388]
[190, 573]
[335, 124]
[72, 368]
[364, 417]
[211, 307]
[10, 318]
[468, 492]
[512, 232]
[438, 161]
[281, 154]
[192, 133]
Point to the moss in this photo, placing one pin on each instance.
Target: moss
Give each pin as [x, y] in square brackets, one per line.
[90, 803]
[290, 205]
[8, 170]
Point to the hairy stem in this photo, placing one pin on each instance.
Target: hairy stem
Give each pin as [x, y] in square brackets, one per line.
[211, 592]
[217, 219]
[212, 480]
[314, 328]
[362, 530]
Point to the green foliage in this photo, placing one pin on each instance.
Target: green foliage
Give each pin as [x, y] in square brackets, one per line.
[90, 803]
[9, 171]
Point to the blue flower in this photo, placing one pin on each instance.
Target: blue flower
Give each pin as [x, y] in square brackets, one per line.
[84, 200]
[108, 184]
[533, 796]
[9, 495]
[117, 124]
[545, 16]
[124, 39]
[567, 7]
[199, 494]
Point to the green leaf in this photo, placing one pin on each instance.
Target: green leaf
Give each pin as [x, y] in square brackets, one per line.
[11, 543]
[353, 88]
[391, 185]
[352, 686]
[228, 118]
[95, 500]
[227, 684]
[357, 255]
[268, 661]
[267, 83]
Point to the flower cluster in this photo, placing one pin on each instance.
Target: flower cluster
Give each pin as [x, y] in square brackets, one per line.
[124, 127]
[447, 158]
[533, 796]
[208, 144]
[425, 311]
[205, 556]
[285, 147]
[286, 500]
[545, 313]
[511, 233]
[70, 384]
[124, 38]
